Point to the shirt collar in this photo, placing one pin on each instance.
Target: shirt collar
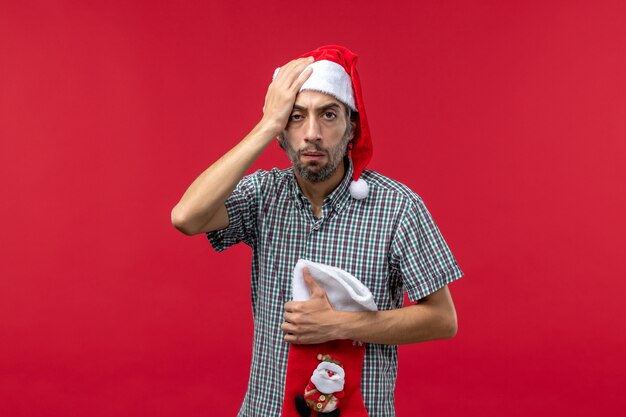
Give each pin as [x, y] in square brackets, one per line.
[337, 199]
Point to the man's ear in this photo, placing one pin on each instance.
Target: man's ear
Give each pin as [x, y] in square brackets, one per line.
[356, 126]
[280, 138]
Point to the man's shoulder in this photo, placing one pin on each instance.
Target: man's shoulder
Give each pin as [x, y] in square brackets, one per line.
[385, 187]
[272, 176]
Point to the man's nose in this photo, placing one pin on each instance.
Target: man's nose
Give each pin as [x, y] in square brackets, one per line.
[313, 129]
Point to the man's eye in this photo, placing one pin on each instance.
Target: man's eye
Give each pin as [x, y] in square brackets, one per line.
[295, 117]
[329, 115]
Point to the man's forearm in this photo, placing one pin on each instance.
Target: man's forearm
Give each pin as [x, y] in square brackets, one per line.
[202, 208]
[207, 194]
[414, 323]
[316, 321]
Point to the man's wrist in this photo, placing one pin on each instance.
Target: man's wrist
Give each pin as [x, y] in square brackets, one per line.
[345, 321]
[271, 128]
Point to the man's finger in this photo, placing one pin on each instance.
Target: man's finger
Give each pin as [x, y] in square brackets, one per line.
[311, 284]
[291, 306]
[287, 328]
[289, 73]
[304, 75]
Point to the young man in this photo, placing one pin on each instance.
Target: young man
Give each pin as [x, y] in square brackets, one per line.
[328, 209]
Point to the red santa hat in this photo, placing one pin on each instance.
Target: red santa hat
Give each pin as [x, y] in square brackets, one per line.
[335, 74]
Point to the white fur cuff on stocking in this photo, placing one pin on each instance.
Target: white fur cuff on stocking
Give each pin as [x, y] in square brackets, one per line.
[344, 291]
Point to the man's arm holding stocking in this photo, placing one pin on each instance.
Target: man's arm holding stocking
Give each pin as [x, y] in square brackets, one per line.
[316, 321]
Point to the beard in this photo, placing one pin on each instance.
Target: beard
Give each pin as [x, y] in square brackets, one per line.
[314, 171]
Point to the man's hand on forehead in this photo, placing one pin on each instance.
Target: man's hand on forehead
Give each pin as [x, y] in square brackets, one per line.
[282, 92]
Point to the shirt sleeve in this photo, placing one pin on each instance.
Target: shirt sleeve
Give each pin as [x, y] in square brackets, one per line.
[242, 216]
[420, 254]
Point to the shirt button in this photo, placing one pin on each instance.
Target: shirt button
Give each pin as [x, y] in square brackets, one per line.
[322, 397]
[319, 406]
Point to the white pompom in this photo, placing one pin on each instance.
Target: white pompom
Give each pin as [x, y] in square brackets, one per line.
[359, 189]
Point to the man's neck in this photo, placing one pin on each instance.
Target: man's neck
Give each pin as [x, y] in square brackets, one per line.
[316, 192]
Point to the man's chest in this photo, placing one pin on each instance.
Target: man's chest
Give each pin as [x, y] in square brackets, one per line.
[355, 242]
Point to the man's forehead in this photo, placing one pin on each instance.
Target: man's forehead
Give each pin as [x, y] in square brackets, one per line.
[316, 99]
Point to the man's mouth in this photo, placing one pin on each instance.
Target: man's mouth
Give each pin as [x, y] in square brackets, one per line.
[313, 154]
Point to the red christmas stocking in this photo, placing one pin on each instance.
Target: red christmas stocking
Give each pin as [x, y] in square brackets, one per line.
[325, 379]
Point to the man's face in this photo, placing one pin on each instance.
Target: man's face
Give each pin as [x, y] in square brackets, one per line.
[317, 135]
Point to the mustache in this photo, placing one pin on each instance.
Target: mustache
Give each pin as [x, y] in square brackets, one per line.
[313, 148]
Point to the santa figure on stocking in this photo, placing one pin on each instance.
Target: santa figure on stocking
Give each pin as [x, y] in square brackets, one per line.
[324, 389]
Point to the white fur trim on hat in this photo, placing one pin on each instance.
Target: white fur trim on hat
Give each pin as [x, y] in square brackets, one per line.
[344, 291]
[330, 78]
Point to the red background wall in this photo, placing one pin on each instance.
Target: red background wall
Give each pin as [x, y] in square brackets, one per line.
[507, 117]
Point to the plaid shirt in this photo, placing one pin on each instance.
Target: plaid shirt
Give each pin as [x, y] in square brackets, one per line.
[388, 240]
